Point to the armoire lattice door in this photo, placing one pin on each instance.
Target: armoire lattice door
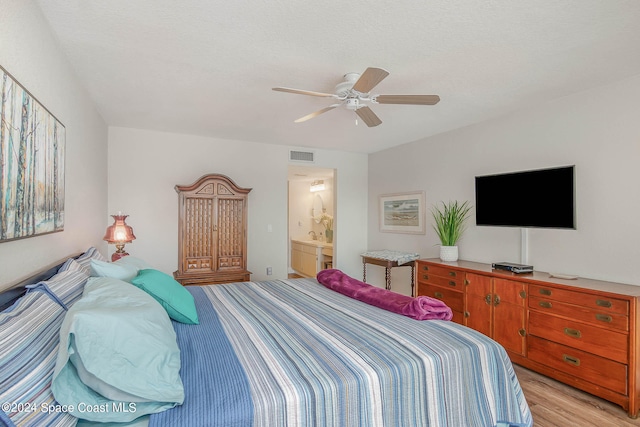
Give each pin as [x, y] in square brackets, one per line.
[212, 232]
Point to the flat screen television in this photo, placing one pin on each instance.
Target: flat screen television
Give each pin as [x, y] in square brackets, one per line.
[542, 198]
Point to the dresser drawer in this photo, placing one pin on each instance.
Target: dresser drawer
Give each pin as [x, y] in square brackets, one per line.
[604, 304]
[593, 316]
[597, 370]
[437, 270]
[454, 299]
[603, 342]
[453, 282]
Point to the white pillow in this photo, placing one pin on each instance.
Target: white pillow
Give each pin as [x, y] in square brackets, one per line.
[126, 268]
[134, 262]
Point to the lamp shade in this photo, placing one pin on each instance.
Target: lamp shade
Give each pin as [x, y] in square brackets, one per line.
[119, 231]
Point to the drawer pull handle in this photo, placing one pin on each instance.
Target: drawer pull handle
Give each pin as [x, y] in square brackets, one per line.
[604, 318]
[438, 295]
[546, 292]
[466, 282]
[574, 333]
[452, 273]
[487, 299]
[496, 300]
[522, 332]
[571, 360]
[603, 303]
[523, 294]
[425, 276]
[425, 267]
[545, 304]
[452, 283]
[467, 314]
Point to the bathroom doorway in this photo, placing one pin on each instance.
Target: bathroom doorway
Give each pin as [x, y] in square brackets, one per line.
[311, 219]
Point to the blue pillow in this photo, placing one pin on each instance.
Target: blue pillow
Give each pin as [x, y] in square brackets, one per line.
[117, 350]
[85, 259]
[67, 285]
[170, 294]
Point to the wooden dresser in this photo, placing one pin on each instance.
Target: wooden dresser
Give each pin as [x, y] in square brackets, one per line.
[212, 232]
[582, 332]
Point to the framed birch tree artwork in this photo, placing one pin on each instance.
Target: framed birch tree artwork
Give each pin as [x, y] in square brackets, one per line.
[32, 152]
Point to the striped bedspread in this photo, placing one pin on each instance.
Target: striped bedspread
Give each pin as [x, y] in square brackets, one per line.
[294, 353]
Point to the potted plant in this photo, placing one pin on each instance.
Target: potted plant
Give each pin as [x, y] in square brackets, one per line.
[449, 226]
[327, 221]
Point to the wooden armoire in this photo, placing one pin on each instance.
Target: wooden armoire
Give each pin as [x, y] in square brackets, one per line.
[212, 232]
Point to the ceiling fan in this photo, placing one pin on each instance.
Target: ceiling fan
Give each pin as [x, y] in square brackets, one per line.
[355, 92]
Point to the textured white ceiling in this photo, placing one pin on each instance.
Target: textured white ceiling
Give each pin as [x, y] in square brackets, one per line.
[207, 67]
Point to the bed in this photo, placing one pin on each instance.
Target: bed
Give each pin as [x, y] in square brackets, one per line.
[296, 353]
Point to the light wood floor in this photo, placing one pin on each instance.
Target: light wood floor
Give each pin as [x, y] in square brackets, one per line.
[555, 404]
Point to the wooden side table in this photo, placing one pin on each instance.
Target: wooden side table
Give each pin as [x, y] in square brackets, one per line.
[388, 260]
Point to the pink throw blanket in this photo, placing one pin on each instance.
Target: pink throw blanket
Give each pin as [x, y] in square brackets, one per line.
[419, 308]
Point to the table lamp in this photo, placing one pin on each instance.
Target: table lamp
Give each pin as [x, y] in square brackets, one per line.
[119, 233]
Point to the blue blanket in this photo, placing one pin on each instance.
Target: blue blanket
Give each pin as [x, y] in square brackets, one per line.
[294, 353]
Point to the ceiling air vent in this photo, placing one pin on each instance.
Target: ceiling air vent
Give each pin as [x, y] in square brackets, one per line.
[301, 156]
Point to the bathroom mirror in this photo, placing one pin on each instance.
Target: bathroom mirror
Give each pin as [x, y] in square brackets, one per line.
[318, 208]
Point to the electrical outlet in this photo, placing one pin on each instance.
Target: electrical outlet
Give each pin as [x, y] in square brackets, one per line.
[269, 271]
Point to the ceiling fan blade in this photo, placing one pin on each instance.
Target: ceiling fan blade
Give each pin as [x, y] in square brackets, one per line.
[303, 92]
[408, 99]
[370, 79]
[316, 113]
[368, 116]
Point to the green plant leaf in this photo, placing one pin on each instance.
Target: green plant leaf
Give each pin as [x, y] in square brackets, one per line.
[450, 221]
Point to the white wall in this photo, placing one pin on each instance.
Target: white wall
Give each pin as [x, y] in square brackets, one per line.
[29, 53]
[597, 130]
[144, 167]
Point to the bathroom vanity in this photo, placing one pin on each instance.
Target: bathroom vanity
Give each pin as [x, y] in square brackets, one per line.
[308, 257]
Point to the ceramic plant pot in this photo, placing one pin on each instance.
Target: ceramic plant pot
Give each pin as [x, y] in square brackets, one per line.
[449, 253]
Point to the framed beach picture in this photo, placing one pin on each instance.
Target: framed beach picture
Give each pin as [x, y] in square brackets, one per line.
[32, 151]
[402, 213]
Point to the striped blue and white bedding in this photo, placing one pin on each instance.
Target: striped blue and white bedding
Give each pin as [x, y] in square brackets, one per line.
[29, 340]
[294, 353]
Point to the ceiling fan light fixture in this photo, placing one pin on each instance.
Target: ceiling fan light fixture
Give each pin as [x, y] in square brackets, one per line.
[355, 93]
[343, 89]
[352, 103]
